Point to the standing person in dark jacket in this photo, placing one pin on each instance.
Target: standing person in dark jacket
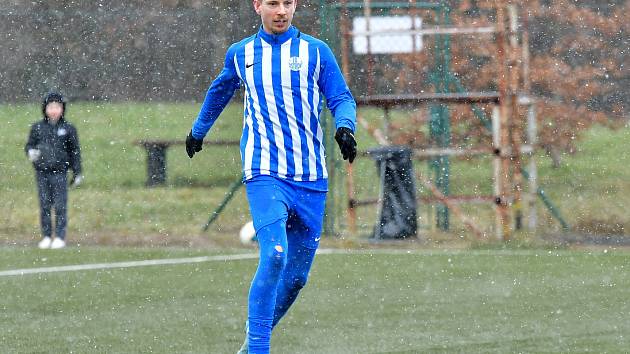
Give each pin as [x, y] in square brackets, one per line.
[53, 148]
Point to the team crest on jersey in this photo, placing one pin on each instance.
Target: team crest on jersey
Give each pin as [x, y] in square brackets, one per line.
[295, 63]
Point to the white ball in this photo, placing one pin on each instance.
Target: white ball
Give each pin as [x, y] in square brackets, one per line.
[247, 233]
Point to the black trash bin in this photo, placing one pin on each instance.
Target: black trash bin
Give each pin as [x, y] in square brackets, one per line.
[397, 217]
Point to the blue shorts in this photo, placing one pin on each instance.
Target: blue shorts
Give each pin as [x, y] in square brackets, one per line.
[302, 208]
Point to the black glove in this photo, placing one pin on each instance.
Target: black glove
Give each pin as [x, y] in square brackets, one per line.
[192, 145]
[347, 144]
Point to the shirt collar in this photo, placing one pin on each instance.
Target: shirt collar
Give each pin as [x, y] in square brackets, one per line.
[278, 38]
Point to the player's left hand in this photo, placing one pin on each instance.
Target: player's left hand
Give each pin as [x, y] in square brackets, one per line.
[347, 144]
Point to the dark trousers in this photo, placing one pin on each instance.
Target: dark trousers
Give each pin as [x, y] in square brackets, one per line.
[53, 192]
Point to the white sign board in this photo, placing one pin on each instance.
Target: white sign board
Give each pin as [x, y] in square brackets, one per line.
[383, 36]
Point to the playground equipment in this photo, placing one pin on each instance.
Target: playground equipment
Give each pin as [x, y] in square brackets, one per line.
[359, 27]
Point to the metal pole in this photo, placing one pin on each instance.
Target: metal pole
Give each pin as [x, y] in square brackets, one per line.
[228, 196]
[352, 216]
[331, 205]
[503, 197]
[428, 31]
[322, 19]
[345, 39]
[515, 117]
[496, 164]
[367, 13]
[445, 163]
[413, 13]
[533, 168]
[386, 122]
[532, 131]
[440, 123]
[479, 233]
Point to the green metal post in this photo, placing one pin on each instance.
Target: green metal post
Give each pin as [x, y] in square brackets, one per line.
[552, 208]
[326, 30]
[331, 210]
[440, 126]
[228, 196]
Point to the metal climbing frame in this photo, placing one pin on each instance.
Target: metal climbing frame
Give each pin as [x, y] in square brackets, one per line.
[505, 123]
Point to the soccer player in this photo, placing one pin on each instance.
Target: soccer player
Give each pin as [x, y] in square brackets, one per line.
[284, 74]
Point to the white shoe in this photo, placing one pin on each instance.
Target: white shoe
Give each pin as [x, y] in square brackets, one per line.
[57, 243]
[44, 243]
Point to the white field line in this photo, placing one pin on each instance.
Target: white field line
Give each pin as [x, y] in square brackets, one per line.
[130, 264]
[234, 257]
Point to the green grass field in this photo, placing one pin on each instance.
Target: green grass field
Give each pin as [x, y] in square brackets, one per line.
[473, 301]
[114, 207]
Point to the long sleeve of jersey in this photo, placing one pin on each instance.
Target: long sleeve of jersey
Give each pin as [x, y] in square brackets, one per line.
[338, 97]
[217, 97]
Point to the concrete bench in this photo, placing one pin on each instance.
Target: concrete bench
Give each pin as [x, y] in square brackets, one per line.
[156, 157]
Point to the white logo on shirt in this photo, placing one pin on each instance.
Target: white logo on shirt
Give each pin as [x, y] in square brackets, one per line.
[61, 132]
[295, 63]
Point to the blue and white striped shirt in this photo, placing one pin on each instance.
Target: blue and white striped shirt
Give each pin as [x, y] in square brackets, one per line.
[284, 77]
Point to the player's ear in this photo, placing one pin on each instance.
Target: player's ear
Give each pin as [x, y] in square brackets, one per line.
[257, 4]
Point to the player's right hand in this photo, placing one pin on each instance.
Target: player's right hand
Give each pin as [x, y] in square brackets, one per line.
[193, 145]
[34, 154]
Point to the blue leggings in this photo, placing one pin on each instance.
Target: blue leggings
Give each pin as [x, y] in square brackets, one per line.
[288, 222]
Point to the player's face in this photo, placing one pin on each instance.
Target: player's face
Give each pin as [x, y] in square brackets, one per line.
[276, 15]
[54, 110]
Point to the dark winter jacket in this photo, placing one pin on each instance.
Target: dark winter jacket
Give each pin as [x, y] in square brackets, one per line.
[58, 144]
